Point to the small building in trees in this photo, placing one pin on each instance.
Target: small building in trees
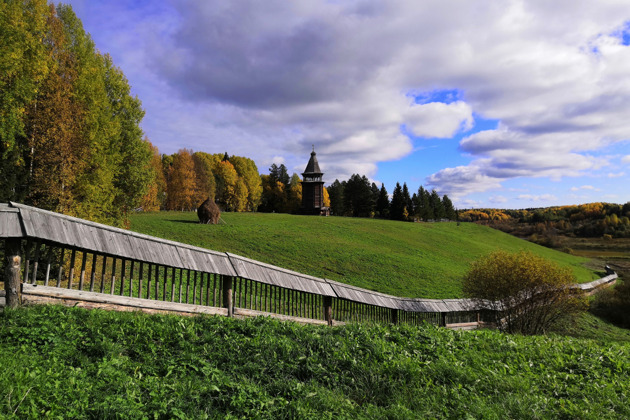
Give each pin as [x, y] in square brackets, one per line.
[313, 188]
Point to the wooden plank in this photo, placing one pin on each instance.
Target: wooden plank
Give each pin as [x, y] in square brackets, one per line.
[33, 292]
[10, 226]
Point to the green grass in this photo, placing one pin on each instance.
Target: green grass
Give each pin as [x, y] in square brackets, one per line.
[72, 363]
[403, 259]
[587, 325]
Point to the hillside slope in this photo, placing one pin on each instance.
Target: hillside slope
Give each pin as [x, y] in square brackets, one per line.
[403, 259]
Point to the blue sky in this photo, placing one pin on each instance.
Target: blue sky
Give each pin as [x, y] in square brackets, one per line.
[510, 104]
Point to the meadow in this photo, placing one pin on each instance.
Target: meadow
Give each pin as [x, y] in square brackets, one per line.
[404, 259]
[73, 363]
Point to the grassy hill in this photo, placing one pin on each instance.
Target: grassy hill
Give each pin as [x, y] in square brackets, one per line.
[403, 259]
[73, 363]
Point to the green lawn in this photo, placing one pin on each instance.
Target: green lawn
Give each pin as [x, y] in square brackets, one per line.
[403, 259]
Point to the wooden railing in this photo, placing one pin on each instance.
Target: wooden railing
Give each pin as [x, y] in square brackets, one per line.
[56, 258]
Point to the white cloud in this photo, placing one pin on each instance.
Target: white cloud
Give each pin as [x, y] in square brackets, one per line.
[616, 175]
[585, 187]
[537, 198]
[269, 79]
[498, 199]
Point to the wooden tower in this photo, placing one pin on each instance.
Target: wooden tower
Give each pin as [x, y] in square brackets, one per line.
[313, 188]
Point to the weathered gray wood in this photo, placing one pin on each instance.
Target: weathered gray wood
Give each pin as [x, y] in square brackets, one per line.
[251, 313]
[133, 263]
[82, 275]
[227, 294]
[36, 262]
[27, 260]
[123, 276]
[327, 307]
[12, 284]
[76, 297]
[113, 277]
[49, 255]
[72, 261]
[10, 226]
[140, 280]
[93, 272]
[60, 274]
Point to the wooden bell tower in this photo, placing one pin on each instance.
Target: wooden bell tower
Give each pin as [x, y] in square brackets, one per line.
[313, 188]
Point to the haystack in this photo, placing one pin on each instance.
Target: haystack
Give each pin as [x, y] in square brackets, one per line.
[209, 212]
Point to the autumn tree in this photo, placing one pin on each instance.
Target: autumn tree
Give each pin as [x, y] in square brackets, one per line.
[326, 198]
[294, 194]
[154, 198]
[25, 61]
[69, 128]
[205, 182]
[181, 186]
[227, 195]
[525, 293]
[273, 196]
[248, 172]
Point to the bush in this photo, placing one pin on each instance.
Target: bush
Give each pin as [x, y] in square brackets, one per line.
[525, 293]
[614, 304]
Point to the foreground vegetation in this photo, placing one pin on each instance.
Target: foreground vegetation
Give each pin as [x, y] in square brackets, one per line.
[403, 259]
[74, 363]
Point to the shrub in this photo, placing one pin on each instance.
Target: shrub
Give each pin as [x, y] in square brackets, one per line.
[614, 304]
[525, 293]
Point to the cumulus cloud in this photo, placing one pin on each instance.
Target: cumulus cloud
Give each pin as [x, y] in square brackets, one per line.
[537, 198]
[626, 159]
[268, 79]
[585, 187]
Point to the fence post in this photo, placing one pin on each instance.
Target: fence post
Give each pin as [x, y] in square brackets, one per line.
[12, 281]
[443, 319]
[227, 295]
[395, 316]
[327, 301]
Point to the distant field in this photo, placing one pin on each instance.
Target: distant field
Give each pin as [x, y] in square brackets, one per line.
[403, 259]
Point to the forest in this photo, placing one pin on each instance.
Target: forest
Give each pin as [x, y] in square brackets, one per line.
[541, 225]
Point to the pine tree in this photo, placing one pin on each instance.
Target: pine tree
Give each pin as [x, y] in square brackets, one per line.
[397, 206]
[449, 210]
[382, 203]
[407, 201]
[436, 205]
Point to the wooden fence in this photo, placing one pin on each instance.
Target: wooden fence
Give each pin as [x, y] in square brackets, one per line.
[56, 258]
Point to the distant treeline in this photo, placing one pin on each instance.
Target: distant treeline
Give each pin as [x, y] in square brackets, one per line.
[541, 224]
[358, 197]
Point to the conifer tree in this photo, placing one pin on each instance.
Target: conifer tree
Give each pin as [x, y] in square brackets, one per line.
[382, 203]
[397, 206]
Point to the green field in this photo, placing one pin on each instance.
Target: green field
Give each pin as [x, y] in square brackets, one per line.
[403, 259]
[74, 363]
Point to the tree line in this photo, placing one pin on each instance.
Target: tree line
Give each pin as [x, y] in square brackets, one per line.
[357, 197]
[70, 139]
[188, 178]
[585, 220]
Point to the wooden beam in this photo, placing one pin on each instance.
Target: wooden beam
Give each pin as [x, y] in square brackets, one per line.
[227, 294]
[72, 297]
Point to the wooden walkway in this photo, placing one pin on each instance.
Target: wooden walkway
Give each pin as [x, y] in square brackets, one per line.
[83, 263]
